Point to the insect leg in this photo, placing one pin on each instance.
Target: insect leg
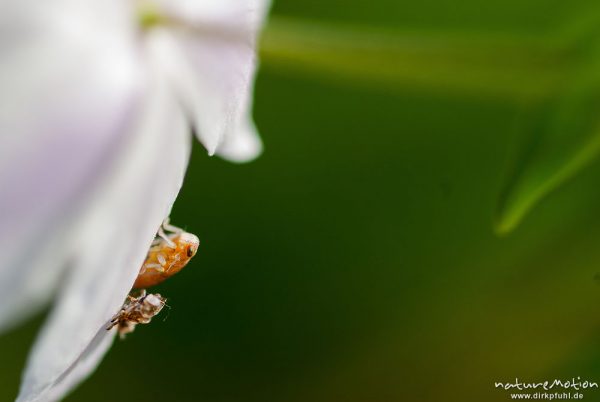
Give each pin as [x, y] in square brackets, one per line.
[166, 225]
[161, 233]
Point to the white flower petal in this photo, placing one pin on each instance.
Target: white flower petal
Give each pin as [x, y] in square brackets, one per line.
[115, 239]
[242, 143]
[85, 364]
[29, 284]
[229, 17]
[212, 54]
[58, 129]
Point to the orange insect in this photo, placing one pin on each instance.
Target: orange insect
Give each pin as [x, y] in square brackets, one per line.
[168, 254]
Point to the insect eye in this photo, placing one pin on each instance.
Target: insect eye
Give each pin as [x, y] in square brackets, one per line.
[190, 252]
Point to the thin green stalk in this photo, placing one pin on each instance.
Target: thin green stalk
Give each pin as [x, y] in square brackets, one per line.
[474, 64]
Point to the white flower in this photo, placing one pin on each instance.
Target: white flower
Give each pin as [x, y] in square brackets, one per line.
[98, 101]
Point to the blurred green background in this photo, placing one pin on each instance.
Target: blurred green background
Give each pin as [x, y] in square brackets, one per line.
[422, 223]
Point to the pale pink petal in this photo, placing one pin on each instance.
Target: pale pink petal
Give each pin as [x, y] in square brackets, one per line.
[115, 236]
[85, 364]
[69, 87]
[233, 16]
[214, 50]
[241, 142]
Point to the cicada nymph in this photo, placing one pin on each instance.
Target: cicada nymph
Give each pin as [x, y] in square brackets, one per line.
[170, 251]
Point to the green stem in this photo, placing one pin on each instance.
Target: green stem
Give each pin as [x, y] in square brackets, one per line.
[521, 68]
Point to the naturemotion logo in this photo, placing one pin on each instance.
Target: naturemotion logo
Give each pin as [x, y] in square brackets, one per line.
[536, 390]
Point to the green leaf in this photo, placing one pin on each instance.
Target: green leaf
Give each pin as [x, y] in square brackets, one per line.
[561, 138]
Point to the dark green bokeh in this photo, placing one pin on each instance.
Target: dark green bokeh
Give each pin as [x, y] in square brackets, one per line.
[356, 259]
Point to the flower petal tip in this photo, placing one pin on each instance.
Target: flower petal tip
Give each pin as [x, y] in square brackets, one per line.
[244, 147]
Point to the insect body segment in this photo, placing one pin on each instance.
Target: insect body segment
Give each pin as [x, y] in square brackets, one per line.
[168, 254]
[136, 310]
